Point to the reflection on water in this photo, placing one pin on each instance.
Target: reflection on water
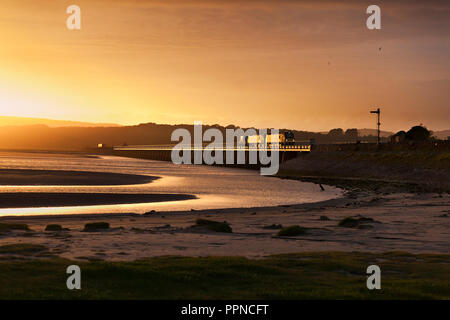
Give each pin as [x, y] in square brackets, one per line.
[215, 187]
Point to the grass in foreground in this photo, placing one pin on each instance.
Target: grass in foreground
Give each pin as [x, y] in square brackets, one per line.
[54, 227]
[291, 231]
[96, 226]
[215, 226]
[354, 222]
[6, 227]
[328, 275]
[23, 249]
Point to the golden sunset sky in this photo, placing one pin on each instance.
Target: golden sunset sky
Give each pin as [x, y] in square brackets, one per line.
[306, 65]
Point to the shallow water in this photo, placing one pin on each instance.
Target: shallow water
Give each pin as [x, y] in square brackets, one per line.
[215, 187]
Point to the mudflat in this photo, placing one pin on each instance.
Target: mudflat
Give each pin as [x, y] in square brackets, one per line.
[408, 222]
[53, 199]
[26, 177]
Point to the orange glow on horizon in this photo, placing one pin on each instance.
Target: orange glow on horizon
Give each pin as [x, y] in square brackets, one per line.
[305, 66]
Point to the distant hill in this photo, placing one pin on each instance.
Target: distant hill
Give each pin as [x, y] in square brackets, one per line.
[444, 134]
[369, 132]
[22, 121]
[76, 136]
[373, 132]
[43, 137]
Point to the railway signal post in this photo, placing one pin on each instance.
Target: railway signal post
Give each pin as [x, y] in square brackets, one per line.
[378, 112]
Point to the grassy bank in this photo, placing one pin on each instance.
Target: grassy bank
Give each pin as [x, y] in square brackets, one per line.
[329, 275]
[414, 158]
[382, 171]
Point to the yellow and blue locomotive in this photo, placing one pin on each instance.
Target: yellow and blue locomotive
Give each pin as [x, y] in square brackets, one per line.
[282, 139]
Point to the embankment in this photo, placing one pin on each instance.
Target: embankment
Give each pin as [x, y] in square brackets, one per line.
[426, 171]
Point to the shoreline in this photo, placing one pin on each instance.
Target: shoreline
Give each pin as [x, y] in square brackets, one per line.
[10, 178]
[352, 188]
[397, 218]
[231, 210]
[404, 230]
[409, 222]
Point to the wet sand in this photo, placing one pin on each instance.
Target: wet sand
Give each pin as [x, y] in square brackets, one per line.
[416, 223]
[41, 199]
[23, 177]
[412, 222]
